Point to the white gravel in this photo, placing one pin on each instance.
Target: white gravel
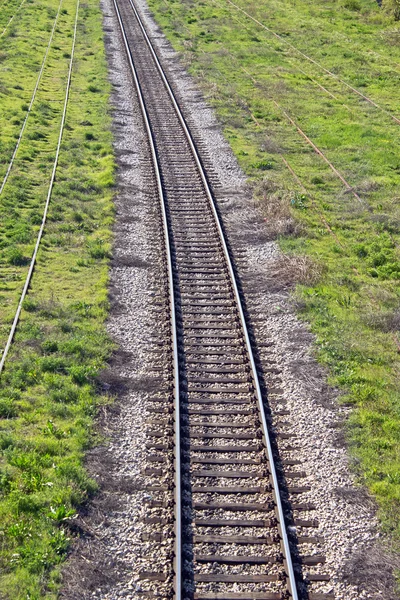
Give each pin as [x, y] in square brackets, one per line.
[346, 516]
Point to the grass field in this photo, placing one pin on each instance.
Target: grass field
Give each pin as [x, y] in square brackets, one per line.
[319, 153]
[48, 394]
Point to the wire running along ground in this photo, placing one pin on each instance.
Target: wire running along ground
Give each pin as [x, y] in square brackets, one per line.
[349, 188]
[312, 60]
[318, 151]
[296, 67]
[47, 203]
[38, 80]
[12, 18]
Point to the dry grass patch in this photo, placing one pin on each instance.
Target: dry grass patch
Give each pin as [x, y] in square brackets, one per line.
[275, 204]
[386, 321]
[291, 270]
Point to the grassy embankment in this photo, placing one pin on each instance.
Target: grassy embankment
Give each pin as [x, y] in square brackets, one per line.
[257, 83]
[48, 396]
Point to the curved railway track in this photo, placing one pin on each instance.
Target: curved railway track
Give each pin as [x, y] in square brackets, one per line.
[230, 509]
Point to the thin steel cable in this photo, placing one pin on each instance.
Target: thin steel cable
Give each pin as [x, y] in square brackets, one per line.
[12, 18]
[312, 60]
[314, 81]
[46, 208]
[347, 185]
[21, 133]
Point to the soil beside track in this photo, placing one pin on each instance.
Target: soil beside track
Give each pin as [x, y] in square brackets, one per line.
[110, 553]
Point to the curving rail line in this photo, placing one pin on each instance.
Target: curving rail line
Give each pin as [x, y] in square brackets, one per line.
[220, 436]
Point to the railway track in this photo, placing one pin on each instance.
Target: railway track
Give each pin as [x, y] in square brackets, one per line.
[231, 509]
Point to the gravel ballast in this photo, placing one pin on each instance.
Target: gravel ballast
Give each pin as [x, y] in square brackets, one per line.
[111, 554]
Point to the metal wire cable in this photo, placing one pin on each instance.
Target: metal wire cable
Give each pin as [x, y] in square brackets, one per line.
[39, 77]
[12, 18]
[46, 207]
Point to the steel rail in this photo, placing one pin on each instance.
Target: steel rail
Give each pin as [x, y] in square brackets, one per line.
[46, 207]
[38, 80]
[174, 330]
[292, 588]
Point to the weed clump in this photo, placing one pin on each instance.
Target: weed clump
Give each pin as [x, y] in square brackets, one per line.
[289, 270]
[16, 257]
[352, 5]
[386, 321]
[7, 408]
[98, 250]
[276, 206]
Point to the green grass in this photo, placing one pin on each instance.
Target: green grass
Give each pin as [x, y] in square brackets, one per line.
[48, 391]
[7, 11]
[257, 83]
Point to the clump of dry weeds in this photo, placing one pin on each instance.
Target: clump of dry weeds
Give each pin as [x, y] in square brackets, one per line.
[291, 270]
[386, 321]
[271, 146]
[275, 206]
[285, 272]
